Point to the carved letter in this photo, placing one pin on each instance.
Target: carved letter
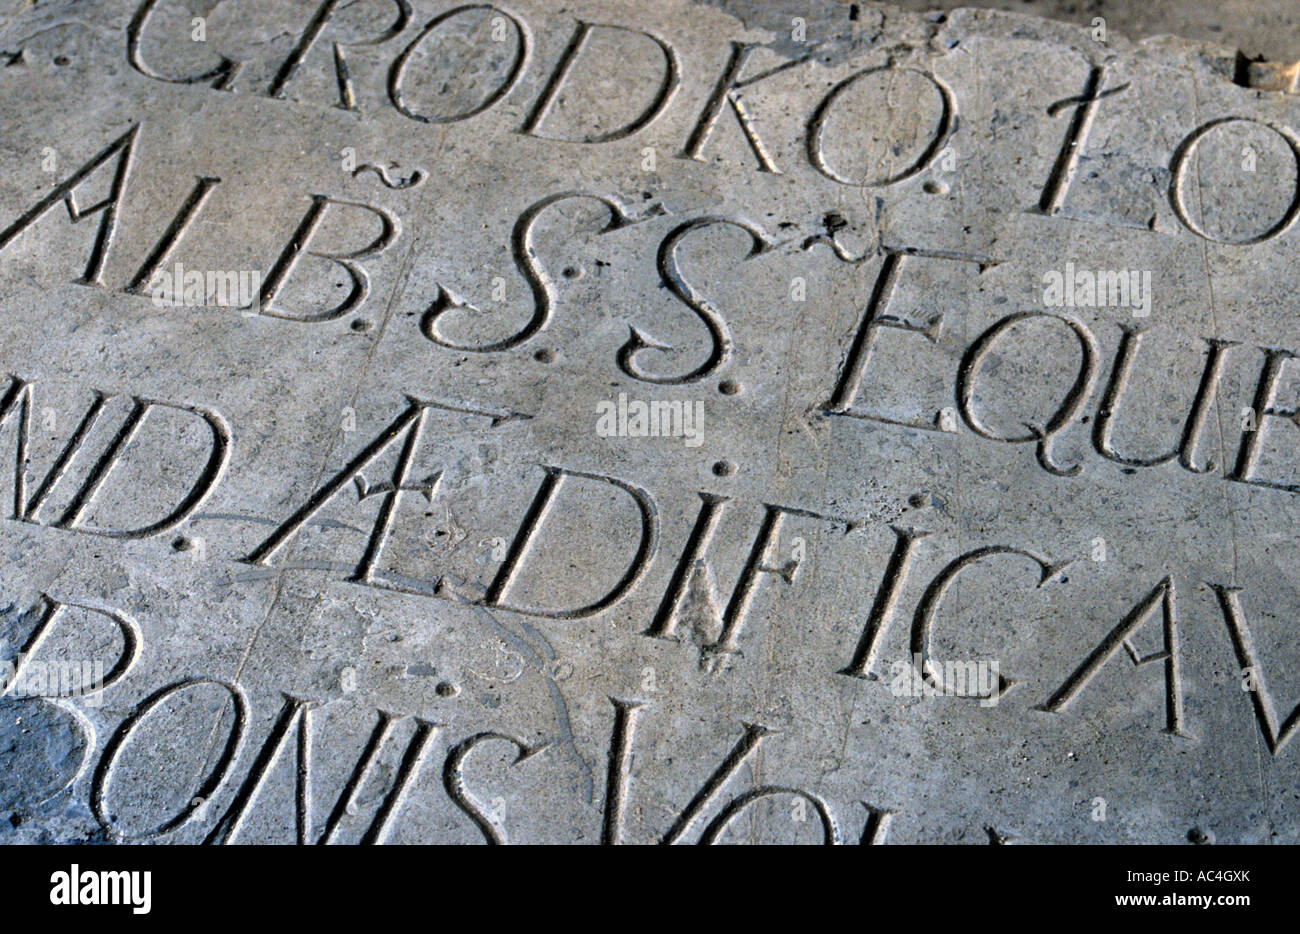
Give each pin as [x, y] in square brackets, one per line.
[502, 88]
[66, 192]
[453, 780]
[1162, 596]
[883, 606]
[211, 782]
[923, 620]
[307, 227]
[524, 251]
[817, 126]
[724, 93]
[1264, 408]
[534, 518]
[692, 560]
[296, 714]
[347, 100]
[1110, 402]
[1243, 644]
[1070, 405]
[719, 335]
[220, 75]
[562, 70]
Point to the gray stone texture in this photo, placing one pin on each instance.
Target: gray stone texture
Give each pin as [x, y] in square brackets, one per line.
[977, 329]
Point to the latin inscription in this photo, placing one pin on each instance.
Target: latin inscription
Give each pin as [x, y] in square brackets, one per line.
[940, 427]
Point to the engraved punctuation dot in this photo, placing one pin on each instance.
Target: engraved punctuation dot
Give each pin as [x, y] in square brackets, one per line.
[446, 689]
[724, 468]
[729, 387]
[544, 356]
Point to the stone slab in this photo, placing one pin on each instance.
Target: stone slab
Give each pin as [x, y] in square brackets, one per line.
[625, 422]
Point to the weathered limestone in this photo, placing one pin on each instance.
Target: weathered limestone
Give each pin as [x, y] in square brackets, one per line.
[635, 423]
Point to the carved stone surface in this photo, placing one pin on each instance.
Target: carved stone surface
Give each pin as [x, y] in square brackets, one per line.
[640, 422]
